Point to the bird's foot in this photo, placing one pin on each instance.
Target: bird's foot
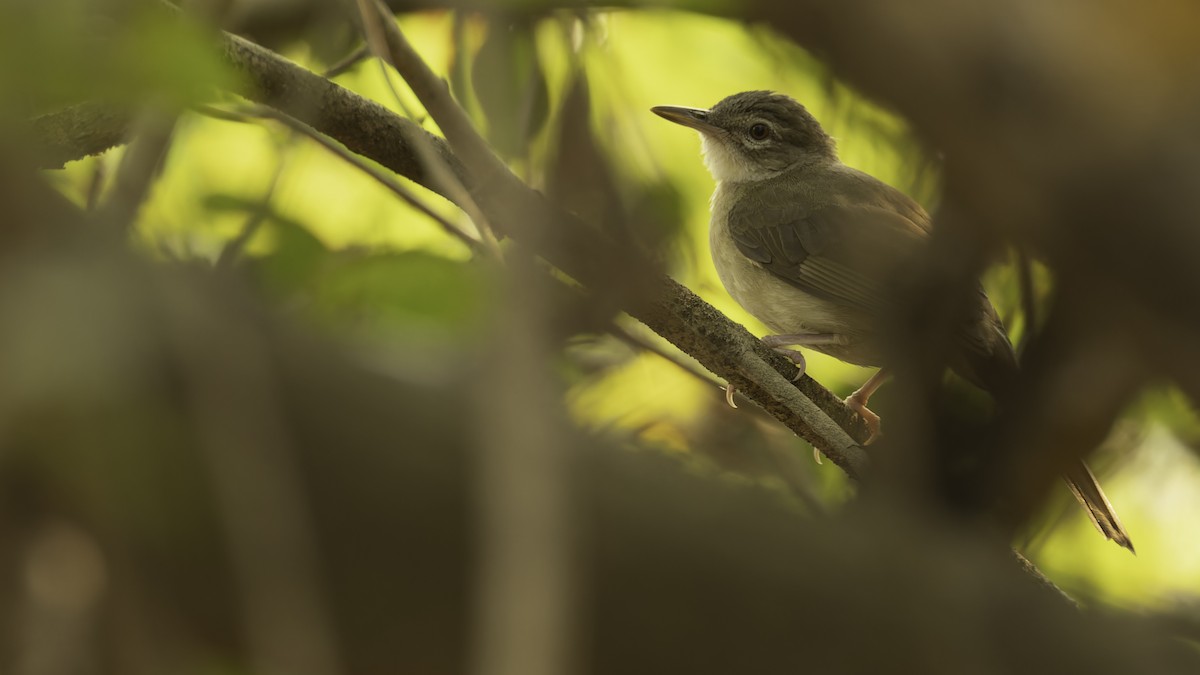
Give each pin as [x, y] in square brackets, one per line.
[779, 344]
[858, 404]
[796, 357]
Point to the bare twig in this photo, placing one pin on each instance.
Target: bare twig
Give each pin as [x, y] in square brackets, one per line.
[233, 248]
[633, 339]
[379, 29]
[1041, 578]
[95, 186]
[380, 177]
[349, 61]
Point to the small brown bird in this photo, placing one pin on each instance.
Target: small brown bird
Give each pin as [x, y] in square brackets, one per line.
[808, 245]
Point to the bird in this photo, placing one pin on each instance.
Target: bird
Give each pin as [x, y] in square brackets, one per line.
[810, 246]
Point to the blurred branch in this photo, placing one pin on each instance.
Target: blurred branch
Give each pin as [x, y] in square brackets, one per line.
[258, 487]
[254, 220]
[525, 599]
[1032, 570]
[349, 61]
[138, 168]
[79, 131]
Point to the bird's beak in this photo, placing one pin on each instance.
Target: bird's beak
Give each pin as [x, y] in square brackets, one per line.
[696, 118]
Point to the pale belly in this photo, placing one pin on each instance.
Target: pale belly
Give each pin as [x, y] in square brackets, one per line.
[785, 309]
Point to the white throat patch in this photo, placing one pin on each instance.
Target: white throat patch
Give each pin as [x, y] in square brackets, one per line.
[725, 165]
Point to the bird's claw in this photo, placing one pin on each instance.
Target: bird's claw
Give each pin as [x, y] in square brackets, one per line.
[872, 420]
[796, 357]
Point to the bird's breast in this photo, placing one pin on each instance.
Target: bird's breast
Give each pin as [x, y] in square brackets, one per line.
[780, 305]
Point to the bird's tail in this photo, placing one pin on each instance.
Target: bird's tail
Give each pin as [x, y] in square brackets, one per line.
[992, 365]
[1095, 503]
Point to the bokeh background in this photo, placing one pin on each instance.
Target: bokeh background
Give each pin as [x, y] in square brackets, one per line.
[332, 254]
[341, 253]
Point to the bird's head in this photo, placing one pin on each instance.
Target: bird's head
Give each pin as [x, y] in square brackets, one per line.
[754, 135]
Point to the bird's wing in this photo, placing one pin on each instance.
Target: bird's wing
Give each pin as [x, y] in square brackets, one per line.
[844, 254]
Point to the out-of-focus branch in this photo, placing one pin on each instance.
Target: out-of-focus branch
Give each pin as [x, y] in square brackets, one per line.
[138, 168]
[79, 131]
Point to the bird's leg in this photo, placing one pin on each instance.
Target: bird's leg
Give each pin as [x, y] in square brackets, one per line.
[858, 402]
[780, 343]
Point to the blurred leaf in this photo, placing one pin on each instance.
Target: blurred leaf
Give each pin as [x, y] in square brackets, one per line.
[657, 214]
[406, 291]
[511, 87]
[118, 51]
[579, 178]
[1171, 408]
[296, 259]
[372, 291]
[644, 214]
[222, 202]
[460, 59]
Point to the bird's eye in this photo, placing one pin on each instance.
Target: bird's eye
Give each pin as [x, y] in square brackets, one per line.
[759, 131]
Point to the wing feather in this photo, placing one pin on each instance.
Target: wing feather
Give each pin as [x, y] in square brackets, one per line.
[844, 254]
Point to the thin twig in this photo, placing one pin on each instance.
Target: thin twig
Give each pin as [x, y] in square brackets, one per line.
[349, 61]
[233, 248]
[378, 27]
[435, 96]
[637, 341]
[138, 168]
[1042, 579]
[95, 186]
[371, 170]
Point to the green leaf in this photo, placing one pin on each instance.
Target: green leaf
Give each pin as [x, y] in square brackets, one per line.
[296, 261]
[510, 85]
[118, 51]
[405, 292]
